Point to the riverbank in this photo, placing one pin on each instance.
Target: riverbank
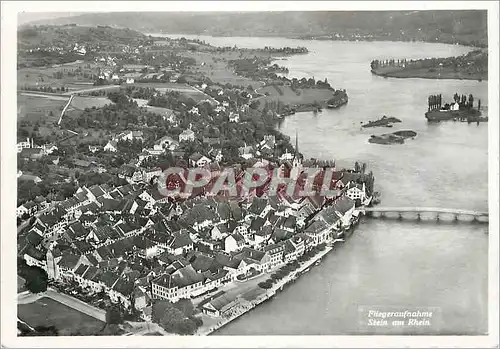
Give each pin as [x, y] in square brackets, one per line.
[219, 322]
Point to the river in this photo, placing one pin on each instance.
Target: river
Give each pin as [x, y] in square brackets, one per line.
[387, 263]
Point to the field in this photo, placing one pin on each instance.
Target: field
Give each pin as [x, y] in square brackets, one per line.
[46, 76]
[184, 89]
[166, 86]
[290, 97]
[215, 68]
[68, 321]
[80, 103]
[39, 108]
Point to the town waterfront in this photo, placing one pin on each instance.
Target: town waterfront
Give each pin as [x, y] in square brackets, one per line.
[387, 262]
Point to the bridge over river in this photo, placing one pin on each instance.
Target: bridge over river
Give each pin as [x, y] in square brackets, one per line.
[419, 212]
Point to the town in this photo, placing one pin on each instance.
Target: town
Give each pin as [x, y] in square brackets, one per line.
[97, 127]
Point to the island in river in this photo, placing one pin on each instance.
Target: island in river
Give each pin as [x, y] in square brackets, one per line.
[384, 121]
[397, 137]
[472, 66]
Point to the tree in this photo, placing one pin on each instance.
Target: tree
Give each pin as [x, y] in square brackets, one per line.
[36, 279]
[114, 315]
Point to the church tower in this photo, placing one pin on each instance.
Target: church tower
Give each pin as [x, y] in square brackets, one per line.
[297, 161]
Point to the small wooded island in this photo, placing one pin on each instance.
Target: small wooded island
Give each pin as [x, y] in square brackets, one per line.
[397, 137]
[462, 109]
[472, 66]
[384, 121]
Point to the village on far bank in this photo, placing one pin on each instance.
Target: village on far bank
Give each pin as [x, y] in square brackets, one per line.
[96, 133]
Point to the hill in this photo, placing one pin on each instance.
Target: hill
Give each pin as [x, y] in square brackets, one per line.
[49, 35]
[467, 27]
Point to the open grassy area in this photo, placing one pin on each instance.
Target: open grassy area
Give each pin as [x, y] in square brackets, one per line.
[80, 103]
[68, 321]
[215, 68]
[36, 108]
[70, 74]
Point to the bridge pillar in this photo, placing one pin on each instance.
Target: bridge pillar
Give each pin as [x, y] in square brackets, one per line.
[437, 217]
[400, 216]
[456, 218]
[418, 216]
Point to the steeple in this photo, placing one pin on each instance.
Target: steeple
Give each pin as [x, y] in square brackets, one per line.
[296, 141]
[296, 156]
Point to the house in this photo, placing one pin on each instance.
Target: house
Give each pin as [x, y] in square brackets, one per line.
[185, 282]
[49, 148]
[263, 235]
[220, 231]
[219, 304]
[167, 142]
[344, 207]
[180, 243]
[198, 160]
[31, 153]
[111, 146]
[356, 191]
[276, 254]
[28, 208]
[93, 148]
[29, 178]
[318, 232]
[129, 81]
[293, 249]
[151, 173]
[234, 242]
[23, 145]
[186, 136]
[234, 117]
[246, 152]
[35, 257]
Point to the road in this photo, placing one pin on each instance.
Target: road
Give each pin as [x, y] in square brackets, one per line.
[64, 109]
[85, 90]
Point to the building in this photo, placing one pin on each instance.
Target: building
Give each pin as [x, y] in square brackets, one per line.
[23, 145]
[186, 136]
[198, 160]
[356, 191]
[234, 117]
[234, 242]
[112, 146]
[28, 208]
[29, 178]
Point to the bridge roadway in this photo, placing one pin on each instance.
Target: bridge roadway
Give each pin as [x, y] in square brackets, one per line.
[436, 210]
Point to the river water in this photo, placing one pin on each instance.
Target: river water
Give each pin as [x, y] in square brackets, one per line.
[389, 264]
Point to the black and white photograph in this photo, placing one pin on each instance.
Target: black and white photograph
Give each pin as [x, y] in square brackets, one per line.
[255, 174]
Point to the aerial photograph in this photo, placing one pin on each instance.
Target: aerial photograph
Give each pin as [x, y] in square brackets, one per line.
[252, 173]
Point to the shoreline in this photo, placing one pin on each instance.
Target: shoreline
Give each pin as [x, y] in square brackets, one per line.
[409, 75]
[270, 293]
[302, 38]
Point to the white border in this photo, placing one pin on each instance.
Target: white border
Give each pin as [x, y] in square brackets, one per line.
[9, 337]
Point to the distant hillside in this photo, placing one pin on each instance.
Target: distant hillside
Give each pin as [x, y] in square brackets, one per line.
[455, 26]
[43, 35]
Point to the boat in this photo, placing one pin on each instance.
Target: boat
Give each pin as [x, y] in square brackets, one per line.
[317, 262]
